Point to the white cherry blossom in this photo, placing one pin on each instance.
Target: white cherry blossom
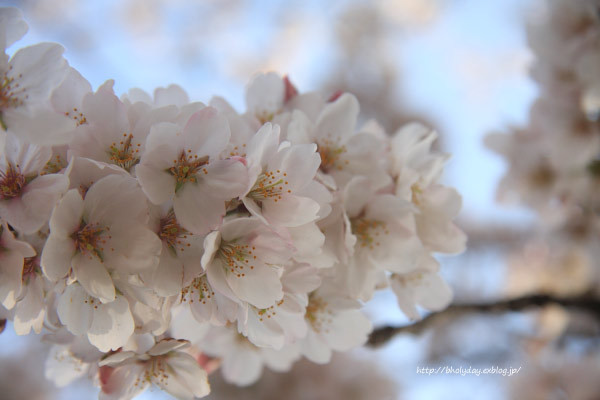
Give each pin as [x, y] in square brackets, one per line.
[182, 165]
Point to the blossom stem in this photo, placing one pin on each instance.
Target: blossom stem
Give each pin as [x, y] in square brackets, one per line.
[584, 302]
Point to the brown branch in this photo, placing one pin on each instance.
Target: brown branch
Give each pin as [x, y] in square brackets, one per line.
[586, 303]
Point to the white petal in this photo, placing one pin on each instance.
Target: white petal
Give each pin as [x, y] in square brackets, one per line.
[91, 273]
[189, 374]
[112, 325]
[75, 310]
[30, 312]
[56, 257]
[290, 210]
[260, 286]
[66, 217]
[206, 133]
[243, 368]
[196, 210]
[11, 269]
[226, 179]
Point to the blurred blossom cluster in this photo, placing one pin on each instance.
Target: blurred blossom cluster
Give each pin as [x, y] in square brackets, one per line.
[155, 240]
[554, 168]
[554, 162]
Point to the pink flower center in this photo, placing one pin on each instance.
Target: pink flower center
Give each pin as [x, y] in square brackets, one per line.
[9, 91]
[367, 231]
[30, 268]
[11, 182]
[237, 257]
[125, 154]
[171, 233]
[90, 240]
[186, 168]
[270, 185]
[330, 155]
[317, 312]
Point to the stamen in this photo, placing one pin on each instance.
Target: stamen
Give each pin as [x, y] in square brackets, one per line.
[124, 154]
[330, 155]
[89, 239]
[202, 287]
[270, 185]
[367, 231]
[317, 313]
[186, 168]
[238, 258]
[12, 182]
[171, 233]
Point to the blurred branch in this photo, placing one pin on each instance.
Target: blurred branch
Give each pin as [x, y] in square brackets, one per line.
[586, 303]
[485, 236]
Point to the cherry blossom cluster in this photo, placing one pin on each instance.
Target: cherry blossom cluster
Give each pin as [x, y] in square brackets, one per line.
[554, 162]
[156, 240]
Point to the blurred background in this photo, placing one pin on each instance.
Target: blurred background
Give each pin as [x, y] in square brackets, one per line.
[461, 66]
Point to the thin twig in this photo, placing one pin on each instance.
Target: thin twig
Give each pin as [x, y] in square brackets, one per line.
[586, 303]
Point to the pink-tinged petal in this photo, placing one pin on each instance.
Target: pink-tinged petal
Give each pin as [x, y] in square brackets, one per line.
[136, 95]
[290, 210]
[257, 275]
[299, 128]
[315, 349]
[265, 95]
[137, 249]
[254, 209]
[261, 148]
[196, 210]
[105, 109]
[300, 162]
[115, 359]
[206, 133]
[167, 278]
[172, 94]
[239, 227]
[39, 68]
[338, 119]
[42, 126]
[112, 325]
[29, 312]
[301, 278]
[167, 345]
[263, 331]
[75, 310]
[212, 241]
[243, 368]
[66, 217]
[123, 382]
[41, 195]
[56, 257]
[83, 172]
[357, 194]
[271, 247]
[15, 27]
[32, 210]
[433, 293]
[61, 367]
[69, 94]
[30, 158]
[225, 179]
[348, 329]
[91, 273]
[11, 269]
[189, 374]
[115, 200]
[215, 273]
[385, 207]
[157, 183]
[166, 136]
